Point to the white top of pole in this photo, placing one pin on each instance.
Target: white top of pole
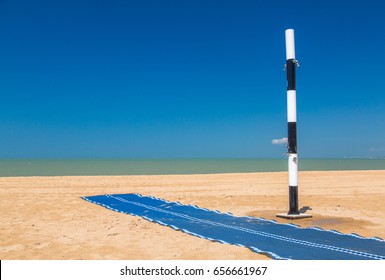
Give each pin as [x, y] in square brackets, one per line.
[290, 48]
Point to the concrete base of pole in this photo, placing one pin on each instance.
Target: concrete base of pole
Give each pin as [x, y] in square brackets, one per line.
[294, 216]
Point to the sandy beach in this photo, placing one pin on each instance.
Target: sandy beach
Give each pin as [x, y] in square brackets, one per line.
[45, 218]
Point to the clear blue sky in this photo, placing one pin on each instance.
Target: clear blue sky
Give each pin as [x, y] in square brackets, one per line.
[189, 78]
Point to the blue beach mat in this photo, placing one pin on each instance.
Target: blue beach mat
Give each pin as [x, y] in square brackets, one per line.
[279, 241]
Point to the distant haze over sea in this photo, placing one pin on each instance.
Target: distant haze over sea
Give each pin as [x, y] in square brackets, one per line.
[90, 167]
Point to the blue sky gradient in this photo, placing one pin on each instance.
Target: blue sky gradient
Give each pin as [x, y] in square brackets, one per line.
[189, 78]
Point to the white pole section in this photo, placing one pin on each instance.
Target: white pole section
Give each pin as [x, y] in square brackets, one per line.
[290, 46]
[291, 64]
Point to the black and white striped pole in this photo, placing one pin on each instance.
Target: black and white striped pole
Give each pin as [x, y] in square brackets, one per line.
[291, 64]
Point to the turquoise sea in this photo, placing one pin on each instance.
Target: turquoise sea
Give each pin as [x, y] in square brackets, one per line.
[67, 167]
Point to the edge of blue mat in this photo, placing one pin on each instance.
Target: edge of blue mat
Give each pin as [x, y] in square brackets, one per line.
[257, 250]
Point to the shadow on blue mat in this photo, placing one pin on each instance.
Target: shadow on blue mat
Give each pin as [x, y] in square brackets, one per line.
[279, 241]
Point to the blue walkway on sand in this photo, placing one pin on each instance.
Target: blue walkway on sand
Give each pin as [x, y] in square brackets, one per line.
[279, 241]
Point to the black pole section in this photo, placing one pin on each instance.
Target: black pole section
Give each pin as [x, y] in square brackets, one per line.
[293, 200]
[290, 73]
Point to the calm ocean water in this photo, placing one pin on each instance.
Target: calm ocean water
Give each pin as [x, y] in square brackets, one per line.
[66, 167]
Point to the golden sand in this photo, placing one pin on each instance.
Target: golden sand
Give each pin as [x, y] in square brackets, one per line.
[45, 217]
